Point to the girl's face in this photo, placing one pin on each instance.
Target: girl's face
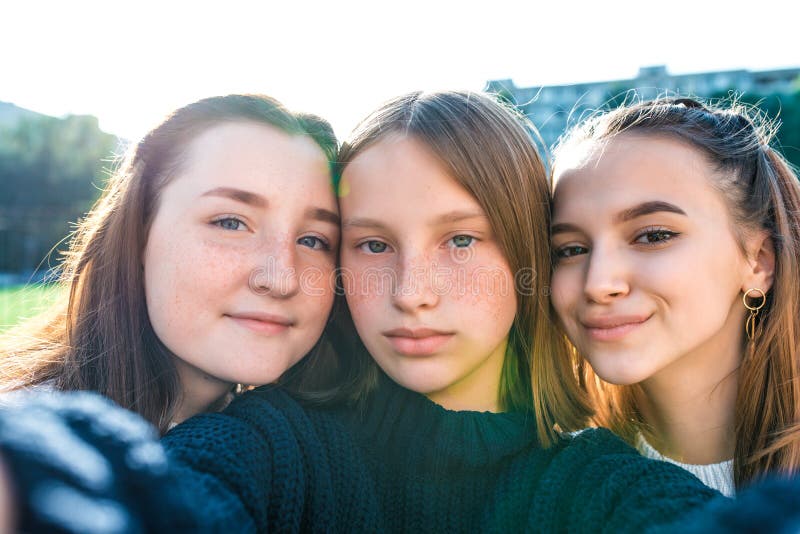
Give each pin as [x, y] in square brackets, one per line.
[239, 258]
[430, 291]
[649, 274]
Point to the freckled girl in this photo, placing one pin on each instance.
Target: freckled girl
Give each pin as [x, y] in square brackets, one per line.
[206, 263]
[445, 259]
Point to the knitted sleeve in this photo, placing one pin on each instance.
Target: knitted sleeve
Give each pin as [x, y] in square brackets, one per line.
[597, 483]
[772, 505]
[81, 464]
[291, 469]
[245, 459]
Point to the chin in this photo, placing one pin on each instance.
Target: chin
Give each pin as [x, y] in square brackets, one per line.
[257, 375]
[418, 377]
[620, 377]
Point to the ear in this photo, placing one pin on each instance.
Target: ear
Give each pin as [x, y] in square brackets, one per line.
[760, 262]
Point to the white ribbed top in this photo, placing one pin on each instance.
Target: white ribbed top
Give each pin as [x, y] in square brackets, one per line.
[718, 476]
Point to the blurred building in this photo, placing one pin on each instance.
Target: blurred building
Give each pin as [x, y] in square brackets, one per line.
[553, 108]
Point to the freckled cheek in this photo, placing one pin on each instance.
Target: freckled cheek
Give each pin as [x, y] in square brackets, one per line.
[484, 293]
[476, 284]
[191, 277]
[367, 282]
[219, 266]
[361, 306]
[317, 282]
[367, 295]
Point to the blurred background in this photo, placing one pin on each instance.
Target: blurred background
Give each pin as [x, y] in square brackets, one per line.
[81, 80]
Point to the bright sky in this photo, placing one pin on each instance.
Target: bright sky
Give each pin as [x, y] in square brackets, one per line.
[128, 63]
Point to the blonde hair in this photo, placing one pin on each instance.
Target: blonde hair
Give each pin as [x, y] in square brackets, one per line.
[486, 148]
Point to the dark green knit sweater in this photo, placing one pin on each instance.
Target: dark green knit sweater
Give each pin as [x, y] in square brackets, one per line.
[444, 471]
[83, 465]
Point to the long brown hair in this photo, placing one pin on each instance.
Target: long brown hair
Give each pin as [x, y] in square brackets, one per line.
[762, 193]
[99, 338]
[486, 148]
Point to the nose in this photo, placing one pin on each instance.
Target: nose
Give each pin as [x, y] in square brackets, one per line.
[413, 287]
[606, 275]
[275, 271]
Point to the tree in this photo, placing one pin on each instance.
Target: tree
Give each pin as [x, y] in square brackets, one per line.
[51, 171]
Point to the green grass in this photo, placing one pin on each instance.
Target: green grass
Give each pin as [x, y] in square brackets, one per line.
[20, 302]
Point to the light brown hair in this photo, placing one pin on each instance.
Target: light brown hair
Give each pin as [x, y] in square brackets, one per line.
[485, 147]
[762, 193]
[99, 337]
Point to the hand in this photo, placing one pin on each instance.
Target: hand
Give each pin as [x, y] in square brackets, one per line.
[65, 448]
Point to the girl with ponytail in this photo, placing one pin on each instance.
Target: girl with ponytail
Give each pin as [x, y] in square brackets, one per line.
[676, 239]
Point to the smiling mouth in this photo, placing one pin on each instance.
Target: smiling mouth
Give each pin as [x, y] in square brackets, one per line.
[613, 329]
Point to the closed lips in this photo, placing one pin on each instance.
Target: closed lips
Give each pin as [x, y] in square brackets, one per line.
[613, 322]
[417, 341]
[612, 328]
[415, 333]
[262, 323]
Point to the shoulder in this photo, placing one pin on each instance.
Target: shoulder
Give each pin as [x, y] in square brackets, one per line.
[604, 481]
[593, 443]
[264, 432]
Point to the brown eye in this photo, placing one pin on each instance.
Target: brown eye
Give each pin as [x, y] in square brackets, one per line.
[655, 236]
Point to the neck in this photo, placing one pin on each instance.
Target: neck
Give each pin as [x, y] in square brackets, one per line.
[477, 391]
[200, 392]
[689, 407]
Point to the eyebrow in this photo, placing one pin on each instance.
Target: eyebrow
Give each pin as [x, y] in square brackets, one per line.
[362, 222]
[254, 199]
[321, 214]
[564, 228]
[451, 217]
[239, 195]
[458, 216]
[645, 208]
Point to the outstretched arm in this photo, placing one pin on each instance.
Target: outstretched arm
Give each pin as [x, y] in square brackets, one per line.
[598, 483]
[81, 464]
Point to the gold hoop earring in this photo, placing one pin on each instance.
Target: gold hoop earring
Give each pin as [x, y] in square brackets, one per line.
[750, 325]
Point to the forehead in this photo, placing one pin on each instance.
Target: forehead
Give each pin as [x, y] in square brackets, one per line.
[634, 168]
[256, 157]
[398, 177]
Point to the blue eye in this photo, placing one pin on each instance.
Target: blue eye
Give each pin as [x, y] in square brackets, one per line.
[462, 241]
[373, 247]
[230, 223]
[313, 242]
